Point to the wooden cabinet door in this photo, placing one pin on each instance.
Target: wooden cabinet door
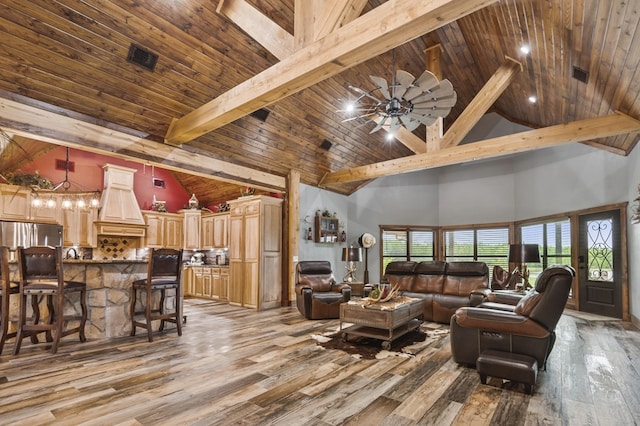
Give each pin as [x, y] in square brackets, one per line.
[224, 283]
[47, 214]
[236, 260]
[207, 281]
[251, 252]
[187, 281]
[14, 203]
[78, 227]
[207, 232]
[215, 283]
[191, 232]
[198, 282]
[221, 231]
[173, 232]
[154, 236]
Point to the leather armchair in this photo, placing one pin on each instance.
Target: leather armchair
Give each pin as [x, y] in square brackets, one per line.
[526, 328]
[318, 296]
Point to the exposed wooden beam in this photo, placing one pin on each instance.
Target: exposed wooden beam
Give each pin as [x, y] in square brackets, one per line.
[315, 19]
[433, 56]
[293, 240]
[481, 103]
[262, 29]
[411, 141]
[26, 120]
[333, 14]
[389, 25]
[578, 131]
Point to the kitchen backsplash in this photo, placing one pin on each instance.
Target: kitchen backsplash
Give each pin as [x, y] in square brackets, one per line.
[121, 248]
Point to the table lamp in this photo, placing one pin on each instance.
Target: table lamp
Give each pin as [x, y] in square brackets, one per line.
[351, 255]
[522, 254]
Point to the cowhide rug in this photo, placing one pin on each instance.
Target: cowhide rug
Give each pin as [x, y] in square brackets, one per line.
[369, 348]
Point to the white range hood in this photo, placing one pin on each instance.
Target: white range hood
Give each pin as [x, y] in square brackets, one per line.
[119, 211]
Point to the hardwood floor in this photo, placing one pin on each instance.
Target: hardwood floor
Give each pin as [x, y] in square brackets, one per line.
[238, 366]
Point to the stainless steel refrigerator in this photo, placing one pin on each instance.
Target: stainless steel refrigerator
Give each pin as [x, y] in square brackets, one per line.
[27, 234]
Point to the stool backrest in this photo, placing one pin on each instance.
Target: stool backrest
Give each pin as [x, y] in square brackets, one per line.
[165, 263]
[4, 269]
[40, 263]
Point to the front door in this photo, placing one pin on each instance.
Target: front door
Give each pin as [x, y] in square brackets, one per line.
[600, 264]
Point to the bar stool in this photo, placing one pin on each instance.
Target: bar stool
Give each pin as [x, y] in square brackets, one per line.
[7, 288]
[163, 273]
[41, 274]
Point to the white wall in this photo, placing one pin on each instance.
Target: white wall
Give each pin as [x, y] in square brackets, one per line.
[312, 199]
[633, 237]
[517, 187]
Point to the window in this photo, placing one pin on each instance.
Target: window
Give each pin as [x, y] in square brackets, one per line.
[554, 241]
[406, 244]
[489, 245]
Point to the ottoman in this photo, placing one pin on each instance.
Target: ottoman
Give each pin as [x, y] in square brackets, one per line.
[506, 365]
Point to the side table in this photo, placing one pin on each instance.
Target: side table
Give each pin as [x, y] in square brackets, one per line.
[357, 288]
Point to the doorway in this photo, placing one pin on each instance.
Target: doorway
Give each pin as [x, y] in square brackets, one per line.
[600, 263]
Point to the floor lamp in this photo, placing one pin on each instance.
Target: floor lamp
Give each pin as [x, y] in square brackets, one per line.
[521, 254]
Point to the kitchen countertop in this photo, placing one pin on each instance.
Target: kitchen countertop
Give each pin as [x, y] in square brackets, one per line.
[188, 264]
[103, 261]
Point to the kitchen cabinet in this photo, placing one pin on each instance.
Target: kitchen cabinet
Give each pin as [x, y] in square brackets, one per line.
[255, 252]
[46, 213]
[78, 229]
[206, 228]
[187, 281]
[208, 282]
[219, 283]
[191, 231]
[221, 230]
[163, 230]
[215, 231]
[14, 202]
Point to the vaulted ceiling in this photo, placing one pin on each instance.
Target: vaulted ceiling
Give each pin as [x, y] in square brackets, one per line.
[68, 58]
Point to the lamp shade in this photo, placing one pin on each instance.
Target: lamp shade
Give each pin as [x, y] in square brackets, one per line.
[351, 254]
[524, 253]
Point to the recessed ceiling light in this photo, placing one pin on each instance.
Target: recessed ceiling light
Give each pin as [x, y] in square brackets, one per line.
[390, 136]
[533, 99]
[525, 49]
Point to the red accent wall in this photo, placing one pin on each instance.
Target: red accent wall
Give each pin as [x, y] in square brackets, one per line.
[89, 176]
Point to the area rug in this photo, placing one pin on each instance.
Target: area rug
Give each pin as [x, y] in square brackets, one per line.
[367, 348]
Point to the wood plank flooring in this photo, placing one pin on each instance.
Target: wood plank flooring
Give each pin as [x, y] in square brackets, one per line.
[234, 366]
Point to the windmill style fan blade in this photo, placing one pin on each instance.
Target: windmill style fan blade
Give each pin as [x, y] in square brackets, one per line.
[424, 119]
[381, 123]
[357, 117]
[410, 123]
[395, 125]
[443, 90]
[426, 81]
[363, 93]
[433, 112]
[449, 102]
[382, 85]
[404, 80]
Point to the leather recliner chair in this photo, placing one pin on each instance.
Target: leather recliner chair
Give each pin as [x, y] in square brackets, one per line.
[318, 296]
[526, 328]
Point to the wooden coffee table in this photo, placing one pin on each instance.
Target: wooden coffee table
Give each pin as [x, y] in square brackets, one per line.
[384, 321]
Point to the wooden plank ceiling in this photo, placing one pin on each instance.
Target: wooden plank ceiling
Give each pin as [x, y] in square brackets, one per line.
[69, 57]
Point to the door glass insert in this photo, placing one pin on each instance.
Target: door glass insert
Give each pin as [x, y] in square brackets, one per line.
[600, 250]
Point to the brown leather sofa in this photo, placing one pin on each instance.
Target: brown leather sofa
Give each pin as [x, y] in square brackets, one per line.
[526, 328]
[444, 286]
[318, 296]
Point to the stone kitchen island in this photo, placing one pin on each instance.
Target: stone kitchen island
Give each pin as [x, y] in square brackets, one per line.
[108, 293]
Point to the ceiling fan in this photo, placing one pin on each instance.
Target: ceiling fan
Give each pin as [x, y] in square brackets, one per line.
[407, 101]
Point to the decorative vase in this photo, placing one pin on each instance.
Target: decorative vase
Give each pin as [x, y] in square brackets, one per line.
[193, 202]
